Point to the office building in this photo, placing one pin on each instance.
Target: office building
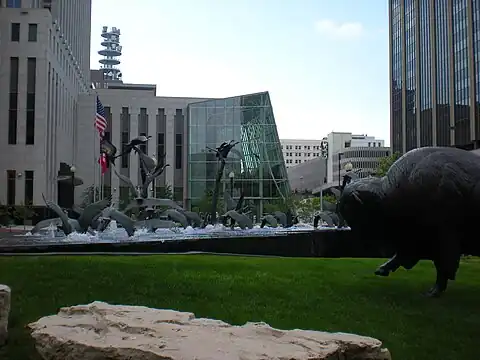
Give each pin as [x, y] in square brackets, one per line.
[362, 151]
[44, 76]
[182, 130]
[346, 151]
[255, 166]
[51, 66]
[131, 113]
[434, 73]
[297, 151]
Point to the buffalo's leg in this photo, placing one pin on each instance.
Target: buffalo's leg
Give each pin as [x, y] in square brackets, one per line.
[390, 266]
[440, 284]
[446, 261]
[408, 262]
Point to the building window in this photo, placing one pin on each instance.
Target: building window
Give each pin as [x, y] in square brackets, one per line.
[47, 4]
[143, 124]
[15, 32]
[32, 32]
[178, 193]
[143, 147]
[31, 84]
[160, 148]
[14, 3]
[124, 156]
[28, 187]
[13, 102]
[11, 186]
[178, 151]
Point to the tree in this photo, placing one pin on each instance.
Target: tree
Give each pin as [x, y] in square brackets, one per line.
[385, 163]
[164, 192]
[279, 205]
[205, 203]
[89, 196]
[330, 198]
[126, 198]
[5, 218]
[24, 212]
[307, 208]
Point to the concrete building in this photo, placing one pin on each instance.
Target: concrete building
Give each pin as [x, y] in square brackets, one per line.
[297, 151]
[308, 175]
[44, 81]
[434, 73]
[182, 131]
[361, 151]
[48, 105]
[139, 112]
[343, 142]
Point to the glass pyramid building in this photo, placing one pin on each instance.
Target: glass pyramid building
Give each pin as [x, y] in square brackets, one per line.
[255, 166]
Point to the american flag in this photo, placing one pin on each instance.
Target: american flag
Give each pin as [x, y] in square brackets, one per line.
[100, 118]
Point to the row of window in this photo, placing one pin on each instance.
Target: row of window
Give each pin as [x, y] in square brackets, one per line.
[296, 161]
[299, 147]
[15, 32]
[12, 178]
[301, 154]
[14, 4]
[143, 129]
[13, 108]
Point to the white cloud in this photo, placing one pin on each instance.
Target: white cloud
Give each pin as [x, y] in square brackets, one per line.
[337, 30]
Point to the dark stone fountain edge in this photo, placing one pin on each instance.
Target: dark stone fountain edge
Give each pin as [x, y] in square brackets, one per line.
[321, 243]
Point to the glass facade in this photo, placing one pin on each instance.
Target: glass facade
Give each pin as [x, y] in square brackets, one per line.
[442, 57]
[435, 59]
[476, 60]
[461, 76]
[425, 75]
[396, 66]
[255, 166]
[411, 57]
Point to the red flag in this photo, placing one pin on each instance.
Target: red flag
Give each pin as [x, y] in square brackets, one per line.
[103, 163]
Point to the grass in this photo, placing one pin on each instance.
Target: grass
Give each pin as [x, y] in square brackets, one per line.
[321, 294]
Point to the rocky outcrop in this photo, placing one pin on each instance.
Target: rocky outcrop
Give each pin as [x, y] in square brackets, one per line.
[5, 295]
[103, 331]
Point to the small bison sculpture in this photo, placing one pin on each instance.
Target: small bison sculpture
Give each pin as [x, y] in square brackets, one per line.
[423, 208]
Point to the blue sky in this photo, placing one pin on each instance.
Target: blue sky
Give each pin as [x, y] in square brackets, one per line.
[324, 62]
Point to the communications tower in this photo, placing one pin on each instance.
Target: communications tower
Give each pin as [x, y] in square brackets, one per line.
[111, 52]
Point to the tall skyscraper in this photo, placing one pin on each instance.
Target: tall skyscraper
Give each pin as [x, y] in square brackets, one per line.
[434, 73]
[44, 72]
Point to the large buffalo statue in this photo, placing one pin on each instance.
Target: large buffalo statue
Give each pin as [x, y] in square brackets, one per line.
[423, 208]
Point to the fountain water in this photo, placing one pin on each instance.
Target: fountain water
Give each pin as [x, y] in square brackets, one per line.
[101, 223]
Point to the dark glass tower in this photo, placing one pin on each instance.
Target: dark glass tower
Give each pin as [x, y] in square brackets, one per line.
[434, 73]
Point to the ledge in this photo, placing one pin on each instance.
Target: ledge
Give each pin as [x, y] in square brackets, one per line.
[320, 243]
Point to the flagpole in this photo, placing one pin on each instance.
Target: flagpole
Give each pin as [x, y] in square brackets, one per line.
[101, 126]
[95, 195]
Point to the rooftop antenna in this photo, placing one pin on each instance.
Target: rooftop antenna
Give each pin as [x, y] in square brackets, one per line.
[111, 52]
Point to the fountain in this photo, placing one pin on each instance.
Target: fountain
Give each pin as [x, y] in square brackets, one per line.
[163, 220]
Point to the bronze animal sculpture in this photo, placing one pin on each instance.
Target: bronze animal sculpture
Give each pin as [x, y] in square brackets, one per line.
[410, 209]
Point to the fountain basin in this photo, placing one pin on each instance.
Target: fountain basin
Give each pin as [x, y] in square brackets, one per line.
[307, 243]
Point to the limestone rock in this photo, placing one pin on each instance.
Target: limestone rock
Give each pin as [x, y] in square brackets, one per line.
[4, 312]
[102, 331]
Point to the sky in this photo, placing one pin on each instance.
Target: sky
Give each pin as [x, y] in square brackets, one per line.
[324, 62]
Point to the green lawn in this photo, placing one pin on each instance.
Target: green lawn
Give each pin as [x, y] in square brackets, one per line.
[321, 294]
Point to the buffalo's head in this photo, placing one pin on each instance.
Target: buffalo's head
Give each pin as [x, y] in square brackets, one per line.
[360, 204]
